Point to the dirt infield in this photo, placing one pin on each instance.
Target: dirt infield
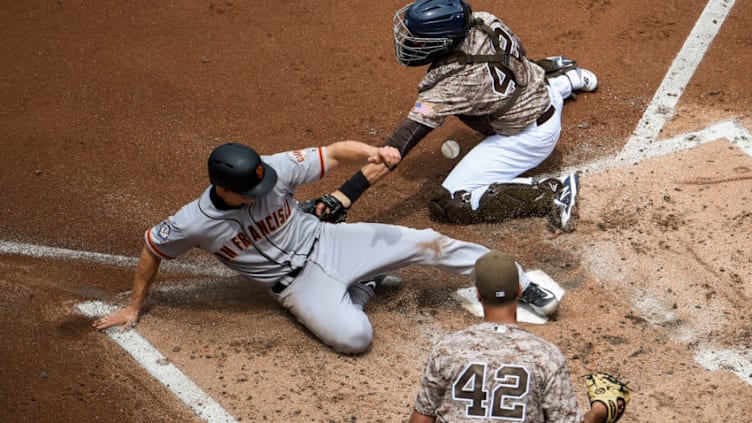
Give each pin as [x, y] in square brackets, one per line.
[110, 109]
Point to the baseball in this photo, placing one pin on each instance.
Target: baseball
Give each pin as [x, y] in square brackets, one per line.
[450, 149]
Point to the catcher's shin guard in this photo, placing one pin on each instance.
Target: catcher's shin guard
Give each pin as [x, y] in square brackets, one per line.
[500, 202]
[510, 200]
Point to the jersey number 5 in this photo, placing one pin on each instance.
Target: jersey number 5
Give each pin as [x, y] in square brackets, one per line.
[510, 383]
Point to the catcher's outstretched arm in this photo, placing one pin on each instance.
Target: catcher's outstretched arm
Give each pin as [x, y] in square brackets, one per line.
[405, 137]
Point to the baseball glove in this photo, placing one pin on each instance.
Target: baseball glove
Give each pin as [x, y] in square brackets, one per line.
[610, 392]
[333, 212]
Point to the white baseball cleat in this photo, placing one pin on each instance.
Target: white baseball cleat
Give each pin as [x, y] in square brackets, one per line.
[582, 79]
[589, 80]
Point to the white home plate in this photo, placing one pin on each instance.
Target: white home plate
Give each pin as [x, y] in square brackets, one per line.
[469, 301]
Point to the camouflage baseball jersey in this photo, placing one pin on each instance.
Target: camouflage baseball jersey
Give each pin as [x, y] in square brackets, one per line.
[483, 88]
[497, 372]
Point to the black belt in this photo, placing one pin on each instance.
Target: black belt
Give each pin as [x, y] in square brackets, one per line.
[280, 286]
[546, 115]
[290, 277]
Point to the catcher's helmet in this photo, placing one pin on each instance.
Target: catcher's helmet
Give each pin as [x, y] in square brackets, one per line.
[427, 30]
[239, 168]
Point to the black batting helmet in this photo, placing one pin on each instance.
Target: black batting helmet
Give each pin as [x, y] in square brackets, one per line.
[239, 169]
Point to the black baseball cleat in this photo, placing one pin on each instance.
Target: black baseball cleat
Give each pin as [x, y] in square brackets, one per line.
[541, 300]
[382, 280]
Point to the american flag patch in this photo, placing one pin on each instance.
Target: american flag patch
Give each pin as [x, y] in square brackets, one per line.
[423, 108]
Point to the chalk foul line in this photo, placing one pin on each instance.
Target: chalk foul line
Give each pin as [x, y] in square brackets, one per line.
[41, 251]
[159, 367]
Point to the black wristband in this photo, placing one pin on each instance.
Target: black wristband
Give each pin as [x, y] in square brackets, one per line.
[355, 186]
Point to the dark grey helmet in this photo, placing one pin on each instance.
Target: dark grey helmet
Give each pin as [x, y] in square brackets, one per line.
[427, 30]
[239, 169]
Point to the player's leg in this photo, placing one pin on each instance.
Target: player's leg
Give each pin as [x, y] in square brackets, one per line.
[327, 298]
[362, 250]
[372, 248]
[566, 77]
[382, 248]
[499, 159]
[322, 303]
[367, 249]
[483, 187]
[562, 85]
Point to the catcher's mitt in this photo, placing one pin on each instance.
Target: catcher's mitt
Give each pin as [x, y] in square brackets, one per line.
[333, 212]
[610, 392]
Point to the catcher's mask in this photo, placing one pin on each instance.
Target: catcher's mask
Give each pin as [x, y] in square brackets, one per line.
[427, 30]
[239, 169]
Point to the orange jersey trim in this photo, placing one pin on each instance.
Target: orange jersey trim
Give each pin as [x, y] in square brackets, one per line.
[322, 163]
[153, 248]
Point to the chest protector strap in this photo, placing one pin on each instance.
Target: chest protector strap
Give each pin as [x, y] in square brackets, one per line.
[501, 58]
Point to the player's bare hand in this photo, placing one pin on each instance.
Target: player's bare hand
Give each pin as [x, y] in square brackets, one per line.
[387, 155]
[126, 318]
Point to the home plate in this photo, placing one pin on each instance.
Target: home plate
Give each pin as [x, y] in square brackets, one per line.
[469, 301]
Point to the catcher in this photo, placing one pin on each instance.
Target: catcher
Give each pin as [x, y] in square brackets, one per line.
[497, 371]
[479, 72]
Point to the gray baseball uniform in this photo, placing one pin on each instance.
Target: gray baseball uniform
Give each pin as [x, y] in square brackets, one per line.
[517, 140]
[271, 241]
[497, 372]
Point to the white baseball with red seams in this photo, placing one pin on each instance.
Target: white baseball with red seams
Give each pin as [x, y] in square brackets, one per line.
[450, 149]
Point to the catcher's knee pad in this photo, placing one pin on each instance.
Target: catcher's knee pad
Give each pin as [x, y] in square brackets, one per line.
[447, 208]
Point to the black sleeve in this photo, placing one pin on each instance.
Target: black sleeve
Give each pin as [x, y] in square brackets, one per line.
[407, 135]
